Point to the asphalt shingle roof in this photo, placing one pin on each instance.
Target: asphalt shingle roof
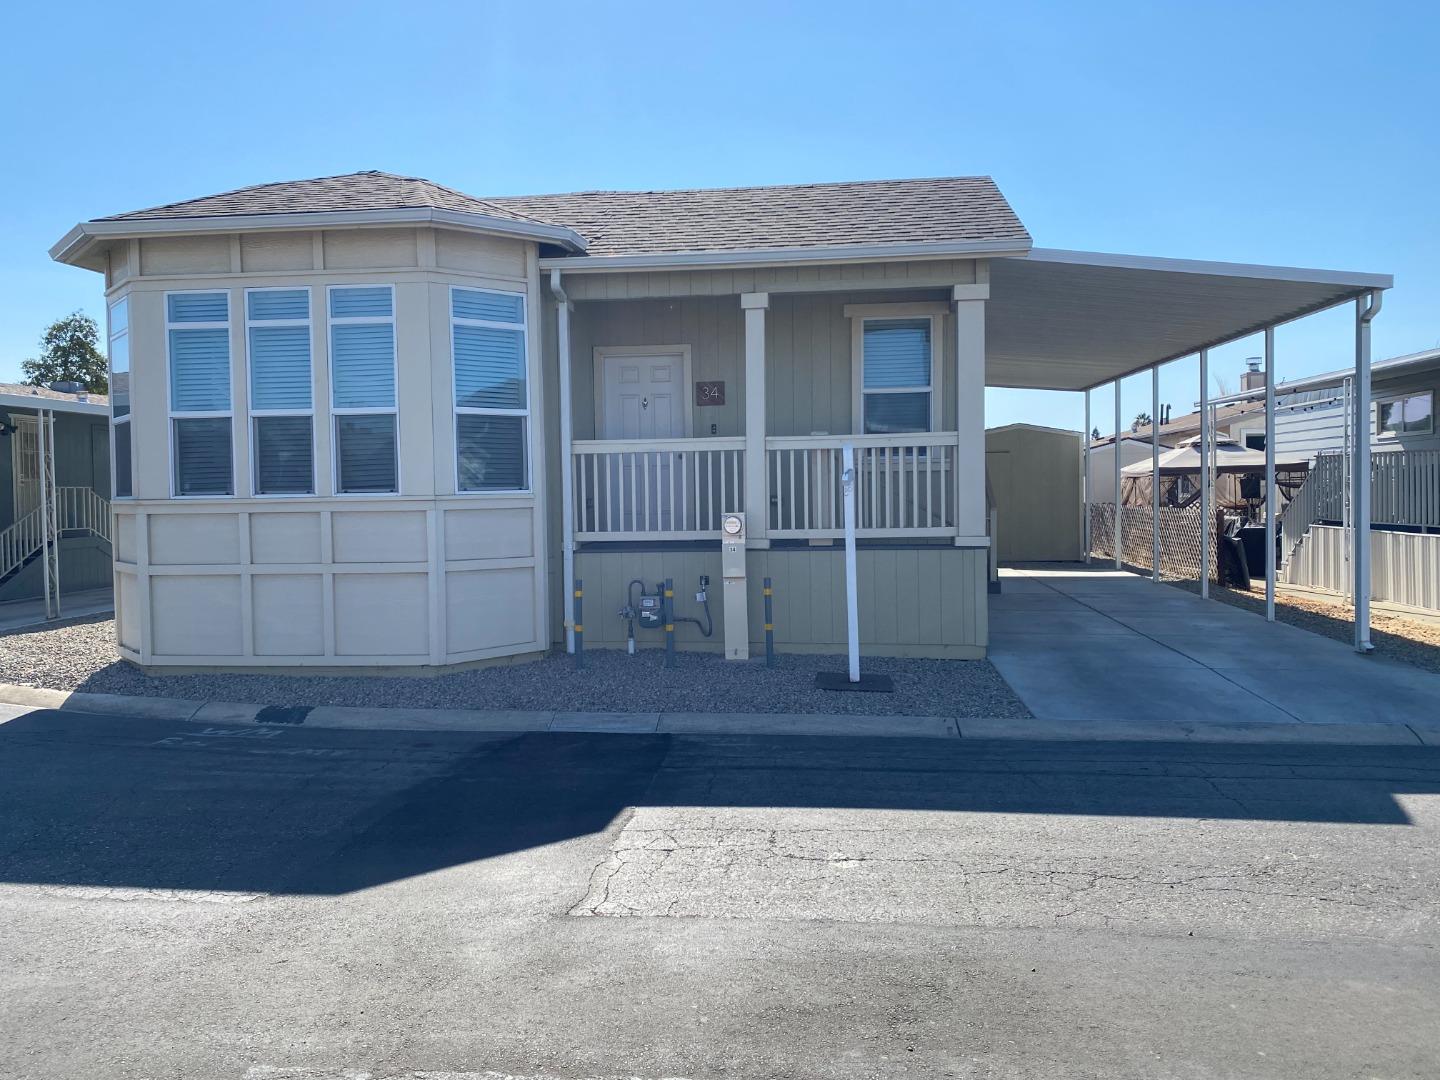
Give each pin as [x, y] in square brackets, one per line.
[967, 208]
[352, 191]
[955, 209]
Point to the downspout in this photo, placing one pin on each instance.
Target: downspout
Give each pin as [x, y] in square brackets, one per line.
[567, 460]
[1361, 470]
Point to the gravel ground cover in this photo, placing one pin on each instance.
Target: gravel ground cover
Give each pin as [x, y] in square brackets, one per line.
[80, 656]
[1411, 641]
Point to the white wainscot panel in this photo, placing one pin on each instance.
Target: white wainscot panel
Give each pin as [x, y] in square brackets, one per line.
[127, 611]
[288, 615]
[507, 533]
[488, 609]
[194, 539]
[379, 536]
[196, 615]
[384, 615]
[285, 538]
[125, 538]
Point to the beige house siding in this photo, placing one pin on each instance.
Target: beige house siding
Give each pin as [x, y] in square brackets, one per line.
[427, 577]
[913, 601]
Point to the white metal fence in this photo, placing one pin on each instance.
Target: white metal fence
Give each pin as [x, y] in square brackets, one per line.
[664, 489]
[77, 509]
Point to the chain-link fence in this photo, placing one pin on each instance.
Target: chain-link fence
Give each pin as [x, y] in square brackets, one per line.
[1179, 539]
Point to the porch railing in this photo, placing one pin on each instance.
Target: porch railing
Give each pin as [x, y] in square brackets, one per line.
[661, 489]
[904, 485]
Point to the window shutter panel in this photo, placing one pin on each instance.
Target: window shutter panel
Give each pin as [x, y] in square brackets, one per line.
[362, 360]
[489, 368]
[897, 353]
[199, 370]
[202, 457]
[284, 455]
[280, 367]
[491, 452]
[365, 450]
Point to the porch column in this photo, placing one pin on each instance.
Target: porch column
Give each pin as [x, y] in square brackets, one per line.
[970, 509]
[1119, 521]
[567, 459]
[1366, 308]
[757, 500]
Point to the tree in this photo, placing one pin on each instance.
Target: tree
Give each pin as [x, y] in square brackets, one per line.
[69, 353]
[1094, 434]
[1141, 420]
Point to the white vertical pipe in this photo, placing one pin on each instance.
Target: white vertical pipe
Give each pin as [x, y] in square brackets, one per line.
[1085, 479]
[852, 602]
[1119, 524]
[567, 458]
[1155, 473]
[41, 452]
[1365, 310]
[1270, 500]
[1205, 473]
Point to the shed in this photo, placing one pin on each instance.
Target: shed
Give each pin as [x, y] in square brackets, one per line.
[1034, 475]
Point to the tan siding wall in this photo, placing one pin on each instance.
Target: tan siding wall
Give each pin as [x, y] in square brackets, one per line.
[185, 255]
[917, 601]
[261, 252]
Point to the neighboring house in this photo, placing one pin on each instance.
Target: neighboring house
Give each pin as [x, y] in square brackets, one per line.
[1102, 461]
[76, 440]
[378, 422]
[1310, 413]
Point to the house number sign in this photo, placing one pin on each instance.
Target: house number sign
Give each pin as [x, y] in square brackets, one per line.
[709, 393]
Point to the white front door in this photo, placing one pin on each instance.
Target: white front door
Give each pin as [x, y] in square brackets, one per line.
[644, 396]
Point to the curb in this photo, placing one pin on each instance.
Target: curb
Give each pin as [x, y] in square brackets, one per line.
[819, 724]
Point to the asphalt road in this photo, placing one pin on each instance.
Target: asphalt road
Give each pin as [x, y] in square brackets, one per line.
[290, 904]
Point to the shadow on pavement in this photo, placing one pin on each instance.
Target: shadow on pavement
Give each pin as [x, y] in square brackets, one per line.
[129, 803]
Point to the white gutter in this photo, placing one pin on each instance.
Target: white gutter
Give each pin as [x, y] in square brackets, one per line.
[87, 232]
[567, 464]
[758, 257]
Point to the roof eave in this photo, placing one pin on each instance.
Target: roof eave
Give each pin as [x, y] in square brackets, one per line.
[759, 257]
[68, 405]
[72, 247]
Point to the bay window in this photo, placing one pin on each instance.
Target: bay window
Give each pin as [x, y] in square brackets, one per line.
[362, 389]
[277, 331]
[197, 330]
[123, 479]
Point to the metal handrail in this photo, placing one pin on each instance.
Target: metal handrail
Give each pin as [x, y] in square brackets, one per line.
[78, 509]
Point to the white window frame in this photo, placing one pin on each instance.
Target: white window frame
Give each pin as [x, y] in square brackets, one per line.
[111, 336]
[524, 327]
[860, 314]
[172, 415]
[255, 413]
[1382, 433]
[335, 412]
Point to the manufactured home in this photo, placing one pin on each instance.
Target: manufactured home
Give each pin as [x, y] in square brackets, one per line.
[373, 421]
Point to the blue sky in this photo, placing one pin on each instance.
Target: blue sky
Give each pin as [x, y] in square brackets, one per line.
[1302, 135]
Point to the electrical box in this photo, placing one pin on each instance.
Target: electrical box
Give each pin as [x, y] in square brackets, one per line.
[732, 569]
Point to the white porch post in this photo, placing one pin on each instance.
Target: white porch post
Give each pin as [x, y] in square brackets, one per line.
[567, 459]
[970, 516]
[1205, 473]
[1155, 473]
[1270, 501]
[1366, 308]
[757, 501]
[1119, 523]
[1085, 479]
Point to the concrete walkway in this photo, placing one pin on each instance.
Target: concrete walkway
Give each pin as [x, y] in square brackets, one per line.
[1087, 644]
[17, 614]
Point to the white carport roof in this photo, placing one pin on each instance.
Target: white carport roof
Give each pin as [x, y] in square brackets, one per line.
[1073, 320]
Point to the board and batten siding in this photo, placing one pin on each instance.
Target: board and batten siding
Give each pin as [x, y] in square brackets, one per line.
[925, 601]
[428, 577]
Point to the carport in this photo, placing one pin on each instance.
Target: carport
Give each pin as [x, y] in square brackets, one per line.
[1077, 320]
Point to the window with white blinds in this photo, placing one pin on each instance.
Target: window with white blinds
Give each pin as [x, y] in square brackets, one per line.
[492, 394]
[123, 479]
[282, 413]
[197, 331]
[898, 375]
[362, 388]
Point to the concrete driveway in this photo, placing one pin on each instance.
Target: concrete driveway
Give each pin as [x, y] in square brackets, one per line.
[1090, 644]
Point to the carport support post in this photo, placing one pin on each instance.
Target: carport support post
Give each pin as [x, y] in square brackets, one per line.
[1155, 473]
[1119, 526]
[1205, 473]
[1085, 479]
[1366, 308]
[1270, 502]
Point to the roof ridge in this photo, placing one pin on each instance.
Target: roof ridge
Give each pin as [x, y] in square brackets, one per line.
[484, 200]
[249, 187]
[745, 187]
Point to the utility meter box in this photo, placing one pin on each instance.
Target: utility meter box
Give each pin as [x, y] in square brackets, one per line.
[650, 613]
[732, 569]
